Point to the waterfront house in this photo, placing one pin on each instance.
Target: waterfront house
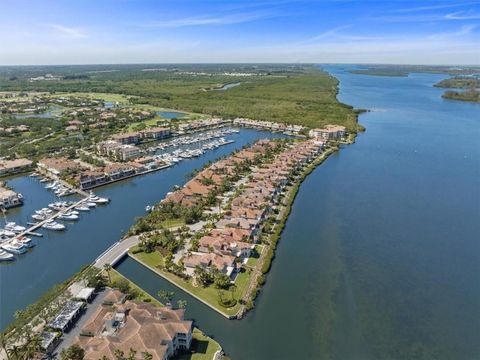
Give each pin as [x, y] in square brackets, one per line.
[9, 198]
[57, 166]
[117, 171]
[223, 263]
[160, 331]
[156, 133]
[127, 152]
[127, 138]
[8, 167]
[90, 178]
[329, 132]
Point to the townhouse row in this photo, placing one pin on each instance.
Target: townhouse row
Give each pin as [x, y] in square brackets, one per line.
[235, 234]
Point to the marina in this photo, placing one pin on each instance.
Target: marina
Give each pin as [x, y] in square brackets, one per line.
[96, 229]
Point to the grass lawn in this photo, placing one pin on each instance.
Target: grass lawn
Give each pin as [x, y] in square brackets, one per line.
[203, 347]
[148, 123]
[252, 260]
[153, 259]
[209, 294]
[115, 276]
[169, 223]
[122, 99]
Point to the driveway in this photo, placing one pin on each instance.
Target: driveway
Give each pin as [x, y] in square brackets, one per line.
[69, 338]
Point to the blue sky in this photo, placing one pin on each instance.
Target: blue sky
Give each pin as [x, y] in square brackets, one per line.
[147, 31]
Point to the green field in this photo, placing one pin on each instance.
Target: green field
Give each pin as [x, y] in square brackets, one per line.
[209, 294]
[294, 94]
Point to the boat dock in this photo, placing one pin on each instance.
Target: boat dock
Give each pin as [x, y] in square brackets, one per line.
[38, 225]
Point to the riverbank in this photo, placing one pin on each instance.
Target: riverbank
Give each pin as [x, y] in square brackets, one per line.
[248, 281]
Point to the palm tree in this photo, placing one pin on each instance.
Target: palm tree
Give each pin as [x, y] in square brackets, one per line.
[107, 267]
[32, 347]
[14, 352]
[166, 295]
[4, 346]
[119, 354]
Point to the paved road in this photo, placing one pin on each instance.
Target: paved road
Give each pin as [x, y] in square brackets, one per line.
[116, 252]
[69, 338]
[119, 249]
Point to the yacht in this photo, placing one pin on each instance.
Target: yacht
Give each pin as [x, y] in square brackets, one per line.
[5, 256]
[39, 217]
[14, 248]
[51, 185]
[98, 200]
[11, 226]
[82, 208]
[26, 241]
[53, 225]
[90, 204]
[68, 216]
[6, 233]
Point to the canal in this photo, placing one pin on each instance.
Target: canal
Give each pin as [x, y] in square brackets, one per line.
[380, 256]
[58, 255]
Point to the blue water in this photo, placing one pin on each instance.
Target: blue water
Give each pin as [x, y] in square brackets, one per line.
[228, 86]
[171, 114]
[58, 255]
[380, 258]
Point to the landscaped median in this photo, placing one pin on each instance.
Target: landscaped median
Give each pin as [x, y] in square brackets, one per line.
[208, 295]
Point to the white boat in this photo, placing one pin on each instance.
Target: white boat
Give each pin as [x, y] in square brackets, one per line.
[26, 241]
[11, 226]
[51, 185]
[68, 216]
[148, 208]
[98, 200]
[13, 248]
[5, 256]
[6, 233]
[52, 225]
[39, 217]
[82, 208]
[90, 204]
[74, 212]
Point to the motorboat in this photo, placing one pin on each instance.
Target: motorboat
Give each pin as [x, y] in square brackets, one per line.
[53, 225]
[26, 241]
[82, 208]
[67, 216]
[51, 185]
[11, 226]
[6, 233]
[98, 200]
[5, 256]
[148, 208]
[39, 217]
[14, 248]
[90, 204]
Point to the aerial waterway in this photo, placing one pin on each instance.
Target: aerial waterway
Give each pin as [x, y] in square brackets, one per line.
[58, 255]
[380, 256]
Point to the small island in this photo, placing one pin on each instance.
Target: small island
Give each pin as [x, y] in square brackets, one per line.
[380, 72]
[470, 84]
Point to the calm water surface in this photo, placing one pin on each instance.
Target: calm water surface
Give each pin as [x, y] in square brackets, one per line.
[380, 258]
[171, 114]
[58, 255]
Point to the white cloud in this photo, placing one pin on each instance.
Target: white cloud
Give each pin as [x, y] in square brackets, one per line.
[211, 20]
[68, 32]
[434, 7]
[462, 15]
